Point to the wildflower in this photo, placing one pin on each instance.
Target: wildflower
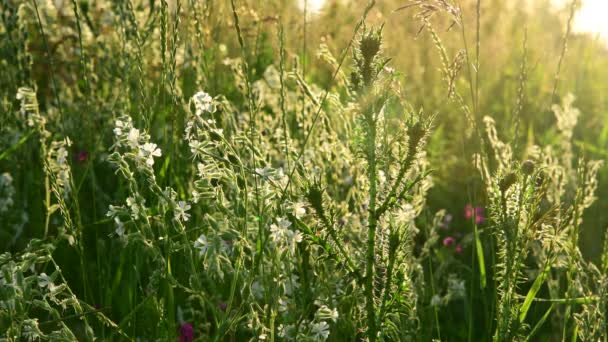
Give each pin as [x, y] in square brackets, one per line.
[82, 156]
[203, 103]
[201, 244]
[447, 219]
[436, 300]
[456, 287]
[181, 211]
[458, 249]
[45, 281]
[186, 332]
[298, 210]
[448, 241]
[479, 215]
[320, 330]
[133, 137]
[120, 227]
[265, 173]
[474, 212]
[148, 151]
[222, 306]
[468, 211]
[282, 235]
[325, 312]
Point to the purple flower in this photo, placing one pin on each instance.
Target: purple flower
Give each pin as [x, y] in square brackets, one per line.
[448, 241]
[458, 249]
[186, 332]
[222, 306]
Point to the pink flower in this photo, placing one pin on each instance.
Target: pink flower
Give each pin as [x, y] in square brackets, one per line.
[82, 156]
[186, 332]
[448, 241]
[458, 249]
[474, 212]
[468, 211]
[479, 215]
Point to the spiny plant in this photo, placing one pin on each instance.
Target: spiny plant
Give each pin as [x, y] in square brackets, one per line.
[390, 141]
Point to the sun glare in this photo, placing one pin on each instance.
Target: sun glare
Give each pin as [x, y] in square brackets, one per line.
[593, 18]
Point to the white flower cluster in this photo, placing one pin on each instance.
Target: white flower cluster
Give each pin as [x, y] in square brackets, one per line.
[58, 164]
[318, 328]
[203, 103]
[7, 191]
[283, 236]
[139, 142]
[29, 109]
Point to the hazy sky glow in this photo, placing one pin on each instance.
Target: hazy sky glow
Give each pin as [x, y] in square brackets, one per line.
[592, 17]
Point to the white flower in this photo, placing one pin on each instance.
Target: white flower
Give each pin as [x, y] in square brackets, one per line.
[133, 137]
[381, 177]
[181, 211]
[119, 125]
[132, 204]
[148, 151]
[203, 103]
[282, 235]
[456, 287]
[45, 281]
[201, 244]
[298, 210]
[320, 330]
[265, 173]
[436, 300]
[325, 312]
[120, 228]
[195, 147]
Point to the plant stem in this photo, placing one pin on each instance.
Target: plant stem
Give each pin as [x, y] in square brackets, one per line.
[372, 225]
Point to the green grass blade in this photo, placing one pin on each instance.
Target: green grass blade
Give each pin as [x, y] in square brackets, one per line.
[13, 148]
[540, 323]
[523, 311]
[480, 259]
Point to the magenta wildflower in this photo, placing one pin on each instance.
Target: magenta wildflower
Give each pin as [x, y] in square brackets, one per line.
[458, 249]
[448, 241]
[82, 156]
[474, 212]
[468, 211]
[479, 215]
[222, 306]
[186, 332]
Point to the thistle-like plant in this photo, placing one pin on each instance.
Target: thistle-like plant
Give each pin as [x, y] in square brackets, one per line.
[391, 145]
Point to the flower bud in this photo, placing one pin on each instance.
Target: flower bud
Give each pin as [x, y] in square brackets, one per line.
[527, 167]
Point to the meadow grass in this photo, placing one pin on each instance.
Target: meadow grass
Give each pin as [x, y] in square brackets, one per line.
[238, 170]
